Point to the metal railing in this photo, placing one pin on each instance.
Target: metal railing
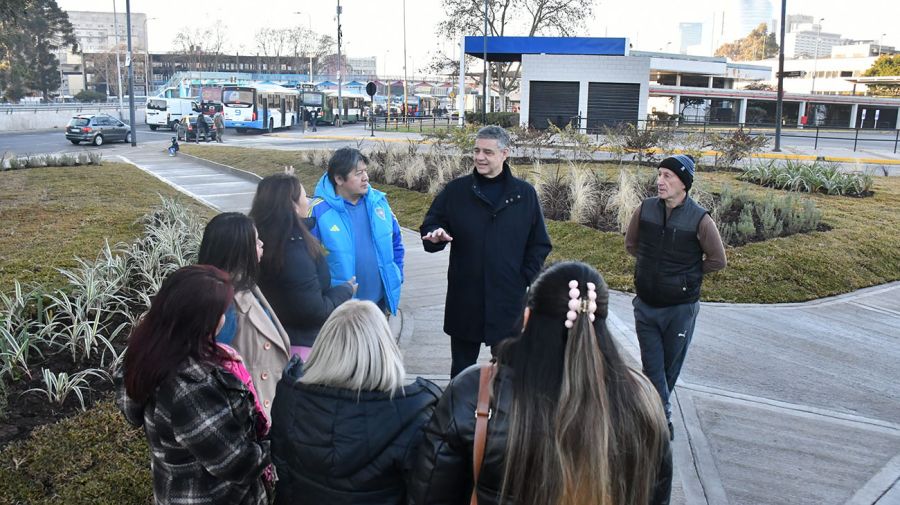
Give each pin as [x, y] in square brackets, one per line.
[812, 133]
[410, 123]
[62, 107]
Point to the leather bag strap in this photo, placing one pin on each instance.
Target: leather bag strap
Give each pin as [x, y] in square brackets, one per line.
[482, 415]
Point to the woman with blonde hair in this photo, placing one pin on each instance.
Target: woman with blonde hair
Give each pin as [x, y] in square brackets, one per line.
[344, 426]
[569, 422]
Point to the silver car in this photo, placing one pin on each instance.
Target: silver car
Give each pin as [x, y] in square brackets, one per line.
[97, 129]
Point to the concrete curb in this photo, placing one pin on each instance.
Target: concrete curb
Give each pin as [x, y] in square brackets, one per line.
[243, 174]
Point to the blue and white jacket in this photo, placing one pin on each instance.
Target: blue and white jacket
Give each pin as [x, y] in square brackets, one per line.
[333, 230]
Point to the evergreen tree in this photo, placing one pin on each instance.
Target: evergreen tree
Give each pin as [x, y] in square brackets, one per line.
[31, 31]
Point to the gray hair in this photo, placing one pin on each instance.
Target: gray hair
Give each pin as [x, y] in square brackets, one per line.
[355, 350]
[494, 133]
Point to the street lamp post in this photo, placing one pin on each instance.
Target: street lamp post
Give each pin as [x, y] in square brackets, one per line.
[816, 56]
[339, 119]
[309, 20]
[779, 103]
[118, 63]
[405, 107]
[484, 86]
[130, 64]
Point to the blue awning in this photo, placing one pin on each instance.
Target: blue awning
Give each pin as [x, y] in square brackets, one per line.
[512, 48]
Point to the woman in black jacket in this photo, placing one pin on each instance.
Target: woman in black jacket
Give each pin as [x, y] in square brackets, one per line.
[344, 427]
[571, 423]
[294, 275]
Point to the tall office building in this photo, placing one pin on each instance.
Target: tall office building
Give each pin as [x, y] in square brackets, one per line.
[96, 34]
[691, 35]
[743, 16]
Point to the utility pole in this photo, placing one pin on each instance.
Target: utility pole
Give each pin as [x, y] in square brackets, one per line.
[118, 63]
[130, 64]
[404, 109]
[340, 117]
[484, 86]
[779, 104]
[816, 56]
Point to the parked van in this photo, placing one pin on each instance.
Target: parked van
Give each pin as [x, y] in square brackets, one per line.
[167, 112]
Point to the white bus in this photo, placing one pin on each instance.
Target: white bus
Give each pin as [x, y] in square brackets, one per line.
[259, 107]
[167, 112]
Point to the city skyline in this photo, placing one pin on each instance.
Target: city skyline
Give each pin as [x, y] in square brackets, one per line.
[370, 30]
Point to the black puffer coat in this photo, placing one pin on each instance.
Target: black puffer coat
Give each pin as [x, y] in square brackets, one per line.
[332, 446]
[301, 293]
[443, 468]
[496, 252]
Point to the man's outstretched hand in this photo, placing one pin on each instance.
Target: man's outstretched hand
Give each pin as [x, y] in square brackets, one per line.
[437, 236]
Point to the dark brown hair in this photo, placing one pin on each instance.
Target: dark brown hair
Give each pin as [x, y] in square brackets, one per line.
[229, 243]
[276, 219]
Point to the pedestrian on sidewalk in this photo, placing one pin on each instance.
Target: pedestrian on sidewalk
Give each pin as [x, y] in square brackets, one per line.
[231, 243]
[294, 274]
[219, 123]
[345, 424]
[498, 243]
[568, 421]
[669, 271]
[358, 229]
[179, 385]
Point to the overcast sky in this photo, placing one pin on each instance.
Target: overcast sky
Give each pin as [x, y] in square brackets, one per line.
[375, 27]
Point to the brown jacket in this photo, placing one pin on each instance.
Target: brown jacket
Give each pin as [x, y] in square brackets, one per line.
[262, 343]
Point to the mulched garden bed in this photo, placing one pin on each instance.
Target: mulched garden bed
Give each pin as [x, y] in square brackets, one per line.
[28, 410]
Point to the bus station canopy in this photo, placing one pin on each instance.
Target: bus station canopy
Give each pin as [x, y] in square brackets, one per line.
[512, 48]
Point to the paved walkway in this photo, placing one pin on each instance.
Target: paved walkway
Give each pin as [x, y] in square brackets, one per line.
[777, 404]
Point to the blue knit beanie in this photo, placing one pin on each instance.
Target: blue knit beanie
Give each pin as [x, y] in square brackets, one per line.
[683, 166]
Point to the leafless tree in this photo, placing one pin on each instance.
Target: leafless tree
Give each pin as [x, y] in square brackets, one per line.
[508, 17]
[273, 42]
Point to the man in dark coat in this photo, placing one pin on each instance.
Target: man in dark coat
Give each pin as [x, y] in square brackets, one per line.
[499, 243]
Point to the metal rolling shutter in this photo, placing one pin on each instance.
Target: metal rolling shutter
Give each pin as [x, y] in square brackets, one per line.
[611, 103]
[553, 101]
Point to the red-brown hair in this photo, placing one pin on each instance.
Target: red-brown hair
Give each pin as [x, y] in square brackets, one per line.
[180, 324]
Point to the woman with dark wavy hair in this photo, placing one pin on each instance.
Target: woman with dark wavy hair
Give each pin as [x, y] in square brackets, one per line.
[571, 422]
[179, 384]
[294, 275]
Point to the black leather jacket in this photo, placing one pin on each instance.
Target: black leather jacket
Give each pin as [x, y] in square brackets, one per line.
[443, 470]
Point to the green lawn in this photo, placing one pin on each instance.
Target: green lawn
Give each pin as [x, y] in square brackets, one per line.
[861, 250]
[51, 215]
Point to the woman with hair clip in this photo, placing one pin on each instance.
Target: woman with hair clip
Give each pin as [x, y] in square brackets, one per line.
[231, 243]
[344, 426]
[294, 274]
[180, 385]
[570, 422]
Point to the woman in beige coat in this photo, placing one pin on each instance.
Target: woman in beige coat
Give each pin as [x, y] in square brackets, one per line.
[231, 243]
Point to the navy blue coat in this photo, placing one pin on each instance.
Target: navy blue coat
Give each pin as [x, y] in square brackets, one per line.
[496, 252]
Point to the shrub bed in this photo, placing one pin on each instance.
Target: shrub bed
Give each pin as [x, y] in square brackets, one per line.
[862, 244]
[810, 178]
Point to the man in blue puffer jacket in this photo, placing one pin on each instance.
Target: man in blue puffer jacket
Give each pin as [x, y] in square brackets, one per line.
[356, 226]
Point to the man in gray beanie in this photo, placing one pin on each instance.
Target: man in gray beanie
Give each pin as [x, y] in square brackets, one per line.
[669, 271]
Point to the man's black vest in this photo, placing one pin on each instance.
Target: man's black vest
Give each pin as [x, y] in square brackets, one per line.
[669, 267]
